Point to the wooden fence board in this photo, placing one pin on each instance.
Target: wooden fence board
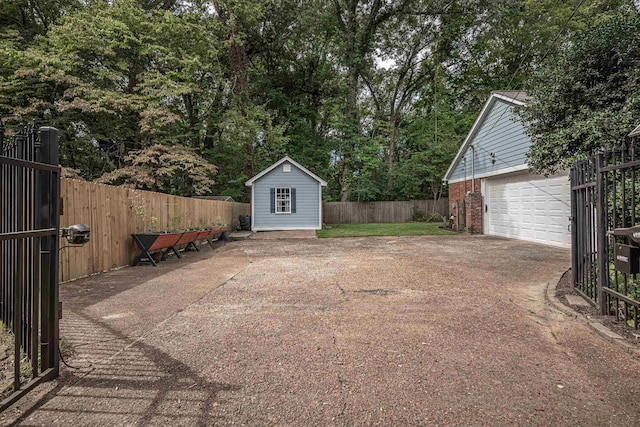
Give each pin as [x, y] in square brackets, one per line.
[114, 213]
[380, 212]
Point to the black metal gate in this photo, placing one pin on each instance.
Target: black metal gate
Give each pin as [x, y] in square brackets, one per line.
[29, 230]
[583, 230]
[605, 204]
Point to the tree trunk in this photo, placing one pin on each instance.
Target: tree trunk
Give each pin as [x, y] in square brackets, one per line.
[239, 67]
[240, 77]
[344, 186]
[393, 137]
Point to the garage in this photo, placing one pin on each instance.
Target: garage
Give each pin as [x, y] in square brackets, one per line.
[528, 207]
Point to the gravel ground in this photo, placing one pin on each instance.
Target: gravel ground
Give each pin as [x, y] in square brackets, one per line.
[368, 331]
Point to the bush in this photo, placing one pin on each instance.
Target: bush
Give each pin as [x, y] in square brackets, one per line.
[418, 215]
[435, 217]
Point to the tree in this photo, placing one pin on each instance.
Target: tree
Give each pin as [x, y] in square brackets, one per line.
[410, 46]
[114, 77]
[587, 97]
[295, 73]
[359, 25]
[171, 170]
[497, 45]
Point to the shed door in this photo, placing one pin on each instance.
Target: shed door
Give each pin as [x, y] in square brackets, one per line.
[529, 207]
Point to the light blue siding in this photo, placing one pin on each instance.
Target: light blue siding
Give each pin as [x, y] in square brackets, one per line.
[501, 133]
[307, 200]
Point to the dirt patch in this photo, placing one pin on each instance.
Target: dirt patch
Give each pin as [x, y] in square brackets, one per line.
[565, 287]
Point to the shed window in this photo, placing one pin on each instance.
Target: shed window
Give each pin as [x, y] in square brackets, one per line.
[286, 167]
[283, 200]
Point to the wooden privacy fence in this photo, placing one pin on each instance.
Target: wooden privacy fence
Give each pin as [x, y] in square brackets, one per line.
[114, 213]
[380, 212]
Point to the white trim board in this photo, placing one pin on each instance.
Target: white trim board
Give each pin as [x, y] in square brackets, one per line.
[253, 207]
[321, 207]
[504, 171]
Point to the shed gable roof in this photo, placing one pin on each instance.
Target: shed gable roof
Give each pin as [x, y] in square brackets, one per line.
[250, 182]
[516, 98]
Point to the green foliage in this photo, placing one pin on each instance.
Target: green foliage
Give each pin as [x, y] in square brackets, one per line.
[172, 170]
[115, 78]
[586, 98]
[238, 129]
[435, 217]
[418, 215]
[371, 96]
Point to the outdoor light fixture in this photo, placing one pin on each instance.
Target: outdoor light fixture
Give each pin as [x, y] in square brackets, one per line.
[77, 234]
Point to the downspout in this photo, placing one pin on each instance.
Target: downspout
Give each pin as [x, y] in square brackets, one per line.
[464, 168]
[473, 172]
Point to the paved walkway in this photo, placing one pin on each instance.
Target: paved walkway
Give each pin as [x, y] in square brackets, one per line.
[378, 331]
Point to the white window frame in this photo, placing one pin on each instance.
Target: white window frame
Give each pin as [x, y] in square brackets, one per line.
[283, 194]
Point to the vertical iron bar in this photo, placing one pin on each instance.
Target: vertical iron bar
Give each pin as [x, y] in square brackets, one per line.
[4, 193]
[601, 228]
[593, 231]
[48, 201]
[615, 225]
[583, 225]
[592, 246]
[35, 309]
[574, 226]
[19, 270]
[623, 177]
[633, 186]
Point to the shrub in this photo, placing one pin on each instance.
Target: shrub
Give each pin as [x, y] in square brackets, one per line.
[418, 215]
[435, 217]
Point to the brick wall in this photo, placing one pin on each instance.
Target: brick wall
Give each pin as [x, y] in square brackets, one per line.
[458, 192]
[474, 212]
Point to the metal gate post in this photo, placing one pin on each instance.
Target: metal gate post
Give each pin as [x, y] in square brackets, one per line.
[48, 217]
[573, 225]
[601, 227]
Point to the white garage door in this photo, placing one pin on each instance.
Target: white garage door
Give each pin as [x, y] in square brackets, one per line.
[529, 207]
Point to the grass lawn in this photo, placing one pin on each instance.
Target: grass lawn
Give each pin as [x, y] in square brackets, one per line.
[395, 229]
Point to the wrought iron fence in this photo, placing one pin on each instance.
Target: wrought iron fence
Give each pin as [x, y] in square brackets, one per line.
[29, 230]
[605, 204]
[583, 236]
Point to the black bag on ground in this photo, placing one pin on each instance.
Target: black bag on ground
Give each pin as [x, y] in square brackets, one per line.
[245, 222]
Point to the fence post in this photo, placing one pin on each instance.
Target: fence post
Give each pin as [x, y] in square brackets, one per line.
[601, 227]
[48, 198]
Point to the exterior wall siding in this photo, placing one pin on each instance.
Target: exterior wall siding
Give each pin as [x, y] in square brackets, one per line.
[307, 200]
[501, 133]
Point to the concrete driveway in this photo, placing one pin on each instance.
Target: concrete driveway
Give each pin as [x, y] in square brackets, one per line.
[368, 331]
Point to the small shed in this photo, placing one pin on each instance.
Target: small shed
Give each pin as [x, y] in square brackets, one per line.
[286, 196]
